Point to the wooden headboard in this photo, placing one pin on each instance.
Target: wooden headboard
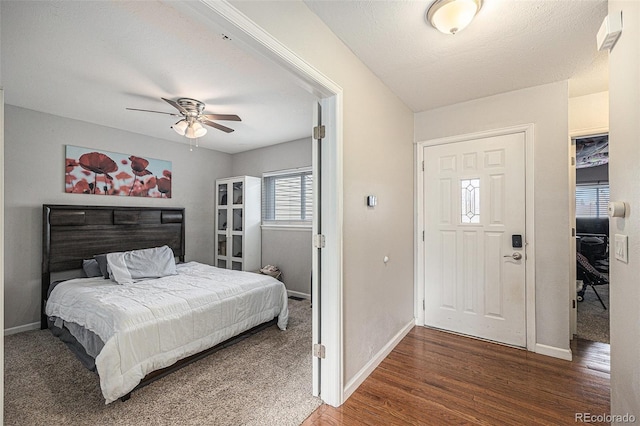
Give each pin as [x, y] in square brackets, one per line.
[73, 233]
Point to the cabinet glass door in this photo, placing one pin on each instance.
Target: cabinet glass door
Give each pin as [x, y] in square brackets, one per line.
[222, 245]
[222, 219]
[237, 220]
[222, 194]
[236, 250]
[237, 193]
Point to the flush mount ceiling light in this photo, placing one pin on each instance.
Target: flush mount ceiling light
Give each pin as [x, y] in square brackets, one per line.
[451, 16]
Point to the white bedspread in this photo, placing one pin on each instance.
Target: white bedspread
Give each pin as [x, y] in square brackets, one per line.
[151, 324]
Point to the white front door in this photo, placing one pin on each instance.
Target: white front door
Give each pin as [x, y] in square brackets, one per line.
[474, 214]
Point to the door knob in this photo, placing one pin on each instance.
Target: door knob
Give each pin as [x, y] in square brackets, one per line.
[515, 256]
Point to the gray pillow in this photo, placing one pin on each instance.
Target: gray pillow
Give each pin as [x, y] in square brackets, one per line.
[131, 266]
[102, 264]
[91, 268]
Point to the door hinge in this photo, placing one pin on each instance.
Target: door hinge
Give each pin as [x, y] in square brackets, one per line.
[423, 166]
[319, 132]
[318, 241]
[574, 303]
[318, 350]
[423, 305]
[573, 161]
[422, 235]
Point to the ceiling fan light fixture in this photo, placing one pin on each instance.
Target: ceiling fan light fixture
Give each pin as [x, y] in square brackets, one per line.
[195, 130]
[180, 127]
[193, 121]
[452, 16]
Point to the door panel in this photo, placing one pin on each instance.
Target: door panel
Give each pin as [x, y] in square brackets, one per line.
[474, 195]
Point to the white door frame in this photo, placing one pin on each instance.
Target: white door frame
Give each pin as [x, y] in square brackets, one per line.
[573, 302]
[530, 264]
[246, 32]
[2, 250]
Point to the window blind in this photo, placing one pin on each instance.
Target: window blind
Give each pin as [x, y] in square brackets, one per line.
[592, 200]
[287, 197]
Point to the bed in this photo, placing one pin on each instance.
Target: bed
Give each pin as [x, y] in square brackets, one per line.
[141, 328]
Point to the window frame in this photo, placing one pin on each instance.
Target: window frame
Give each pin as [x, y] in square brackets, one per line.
[305, 195]
[601, 205]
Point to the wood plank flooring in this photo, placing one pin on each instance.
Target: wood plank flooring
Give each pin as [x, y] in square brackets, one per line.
[438, 378]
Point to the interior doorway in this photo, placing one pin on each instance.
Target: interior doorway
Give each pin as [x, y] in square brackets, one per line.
[592, 236]
[327, 305]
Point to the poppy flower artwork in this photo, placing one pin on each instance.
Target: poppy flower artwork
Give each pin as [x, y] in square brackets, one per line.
[88, 171]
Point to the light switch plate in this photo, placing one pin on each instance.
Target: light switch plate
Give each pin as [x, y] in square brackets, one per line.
[620, 246]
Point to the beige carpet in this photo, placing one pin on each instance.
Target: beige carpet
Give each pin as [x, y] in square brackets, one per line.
[593, 320]
[262, 380]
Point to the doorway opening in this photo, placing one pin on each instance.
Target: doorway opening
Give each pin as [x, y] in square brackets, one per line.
[327, 262]
[592, 237]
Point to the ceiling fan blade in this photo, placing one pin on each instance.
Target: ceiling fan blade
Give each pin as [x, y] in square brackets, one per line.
[176, 106]
[157, 112]
[216, 125]
[229, 117]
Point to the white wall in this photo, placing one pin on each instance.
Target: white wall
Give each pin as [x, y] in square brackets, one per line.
[624, 159]
[288, 249]
[34, 175]
[547, 108]
[589, 114]
[377, 154]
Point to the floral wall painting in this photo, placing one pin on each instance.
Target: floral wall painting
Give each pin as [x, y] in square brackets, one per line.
[88, 171]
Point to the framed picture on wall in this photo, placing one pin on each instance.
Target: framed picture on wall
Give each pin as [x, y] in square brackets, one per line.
[98, 172]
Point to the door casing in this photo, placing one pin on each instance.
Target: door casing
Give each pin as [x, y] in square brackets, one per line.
[530, 293]
[577, 134]
[330, 97]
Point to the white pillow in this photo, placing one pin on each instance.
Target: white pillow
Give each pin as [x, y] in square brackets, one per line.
[131, 266]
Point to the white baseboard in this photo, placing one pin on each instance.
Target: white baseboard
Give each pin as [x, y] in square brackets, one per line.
[361, 376]
[298, 294]
[554, 352]
[21, 328]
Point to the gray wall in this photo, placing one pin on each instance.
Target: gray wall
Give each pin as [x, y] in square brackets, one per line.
[547, 108]
[287, 248]
[34, 175]
[593, 174]
[624, 158]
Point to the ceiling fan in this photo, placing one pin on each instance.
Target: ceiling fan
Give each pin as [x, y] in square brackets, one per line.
[193, 117]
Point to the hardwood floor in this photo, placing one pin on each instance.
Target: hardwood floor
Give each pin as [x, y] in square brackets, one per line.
[437, 378]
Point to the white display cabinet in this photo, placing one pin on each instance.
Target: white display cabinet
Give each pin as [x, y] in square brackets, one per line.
[237, 236]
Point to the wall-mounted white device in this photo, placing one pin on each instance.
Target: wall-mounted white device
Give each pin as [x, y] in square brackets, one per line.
[609, 31]
[616, 209]
[372, 200]
[621, 247]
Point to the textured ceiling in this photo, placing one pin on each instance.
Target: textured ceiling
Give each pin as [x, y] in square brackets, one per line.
[512, 44]
[91, 60]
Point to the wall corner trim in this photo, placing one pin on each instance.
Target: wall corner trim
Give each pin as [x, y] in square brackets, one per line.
[362, 375]
[553, 352]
